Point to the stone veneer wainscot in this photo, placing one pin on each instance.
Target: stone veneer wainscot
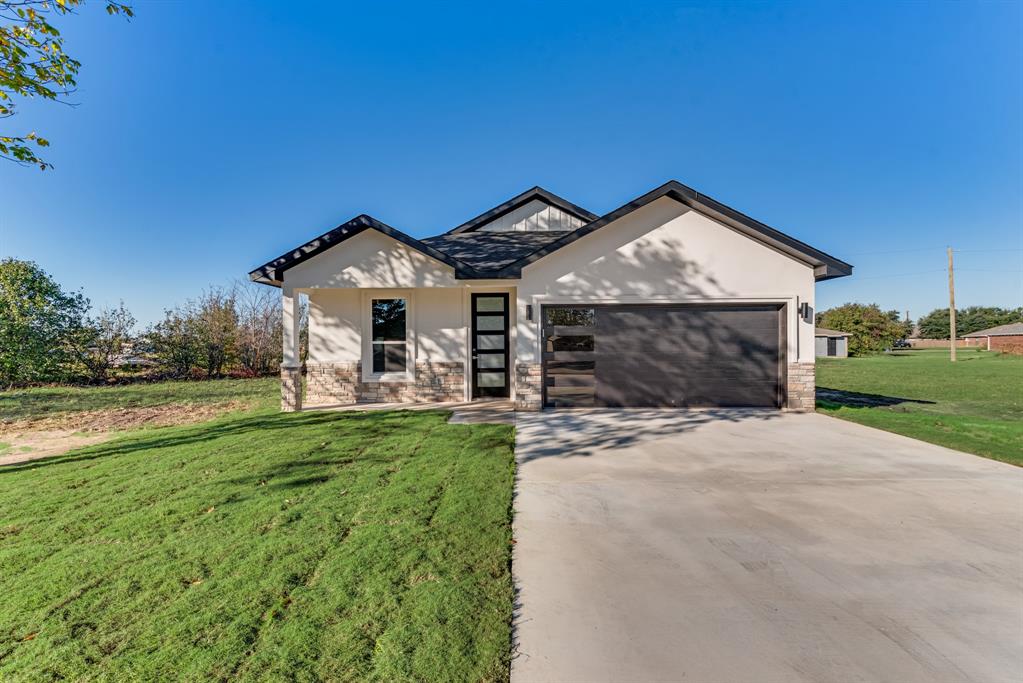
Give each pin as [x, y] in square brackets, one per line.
[340, 383]
[802, 387]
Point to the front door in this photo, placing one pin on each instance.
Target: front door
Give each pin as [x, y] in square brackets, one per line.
[490, 345]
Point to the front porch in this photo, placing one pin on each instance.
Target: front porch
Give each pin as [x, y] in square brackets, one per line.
[410, 346]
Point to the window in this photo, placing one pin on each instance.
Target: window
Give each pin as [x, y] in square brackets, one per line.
[388, 336]
[570, 317]
[580, 343]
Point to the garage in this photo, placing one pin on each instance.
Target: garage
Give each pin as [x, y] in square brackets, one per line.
[648, 355]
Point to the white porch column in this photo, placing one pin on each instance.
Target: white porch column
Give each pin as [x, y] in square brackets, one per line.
[291, 370]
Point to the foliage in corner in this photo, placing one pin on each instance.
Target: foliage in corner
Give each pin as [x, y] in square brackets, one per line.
[33, 64]
[39, 325]
[872, 329]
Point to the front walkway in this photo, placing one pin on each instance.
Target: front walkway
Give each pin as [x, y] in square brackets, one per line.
[760, 546]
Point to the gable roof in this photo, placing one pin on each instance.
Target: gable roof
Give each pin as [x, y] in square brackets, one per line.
[825, 266]
[478, 254]
[521, 200]
[272, 272]
[1012, 329]
[825, 332]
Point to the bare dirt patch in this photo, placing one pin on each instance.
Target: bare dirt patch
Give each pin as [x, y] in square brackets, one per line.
[34, 438]
[28, 446]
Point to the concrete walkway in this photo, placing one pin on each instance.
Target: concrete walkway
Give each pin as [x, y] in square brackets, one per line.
[760, 546]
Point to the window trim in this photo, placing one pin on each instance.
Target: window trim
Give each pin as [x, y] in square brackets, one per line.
[366, 304]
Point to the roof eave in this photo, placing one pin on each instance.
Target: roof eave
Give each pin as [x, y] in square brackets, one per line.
[826, 267]
[272, 272]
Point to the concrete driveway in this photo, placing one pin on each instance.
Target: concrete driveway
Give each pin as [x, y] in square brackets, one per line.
[760, 546]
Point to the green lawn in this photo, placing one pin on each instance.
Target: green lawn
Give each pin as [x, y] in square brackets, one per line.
[973, 405]
[261, 545]
[42, 402]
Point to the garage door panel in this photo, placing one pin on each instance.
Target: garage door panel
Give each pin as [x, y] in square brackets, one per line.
[701, 396]
[684, 356]
[676, 368]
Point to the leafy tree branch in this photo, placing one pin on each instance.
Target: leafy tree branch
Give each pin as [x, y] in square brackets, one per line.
[33, 63]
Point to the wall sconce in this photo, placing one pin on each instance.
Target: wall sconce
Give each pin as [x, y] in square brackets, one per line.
[529, 311]
[804, 312]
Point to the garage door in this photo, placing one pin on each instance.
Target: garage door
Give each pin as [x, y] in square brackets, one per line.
[663, 356]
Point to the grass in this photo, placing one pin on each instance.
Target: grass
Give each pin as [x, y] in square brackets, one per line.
[260, 546]
[41, 402]
[974, 405]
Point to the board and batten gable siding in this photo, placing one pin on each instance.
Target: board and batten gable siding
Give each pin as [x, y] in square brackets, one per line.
[666, 252]
[535, 216]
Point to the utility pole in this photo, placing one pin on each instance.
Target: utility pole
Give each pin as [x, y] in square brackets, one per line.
[951, 307]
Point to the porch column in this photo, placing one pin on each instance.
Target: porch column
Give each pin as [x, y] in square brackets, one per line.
[291, 368]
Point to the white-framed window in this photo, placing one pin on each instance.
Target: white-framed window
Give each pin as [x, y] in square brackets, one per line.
[389, 335]
[388, 339]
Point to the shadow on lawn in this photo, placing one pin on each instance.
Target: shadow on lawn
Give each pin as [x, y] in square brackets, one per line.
[854, 399]
[269, 425]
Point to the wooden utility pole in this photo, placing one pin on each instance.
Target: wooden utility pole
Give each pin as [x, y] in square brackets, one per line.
[951, 307]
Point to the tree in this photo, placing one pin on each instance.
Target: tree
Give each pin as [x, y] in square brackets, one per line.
[39, 323]
[103, 339]
[217, 330]
[871, 329]
[175, 342]
[260, 328]
[905, 326]
[935, 324]
[33, 64]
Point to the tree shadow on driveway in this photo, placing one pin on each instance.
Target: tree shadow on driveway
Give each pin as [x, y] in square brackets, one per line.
[583, 432]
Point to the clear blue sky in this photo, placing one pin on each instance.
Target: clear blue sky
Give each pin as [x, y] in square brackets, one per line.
[211, 137]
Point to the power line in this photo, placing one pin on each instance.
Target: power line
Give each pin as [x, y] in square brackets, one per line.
[922, 272]
[913, 251]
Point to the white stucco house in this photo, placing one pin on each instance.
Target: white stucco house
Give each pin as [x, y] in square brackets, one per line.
[672, 299]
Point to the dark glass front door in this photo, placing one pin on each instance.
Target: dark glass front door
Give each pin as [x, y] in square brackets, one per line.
[490, 375]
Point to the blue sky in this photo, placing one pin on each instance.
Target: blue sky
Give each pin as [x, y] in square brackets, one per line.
[211, 137]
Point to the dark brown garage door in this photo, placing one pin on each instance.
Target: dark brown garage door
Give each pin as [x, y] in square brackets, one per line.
[663, 356]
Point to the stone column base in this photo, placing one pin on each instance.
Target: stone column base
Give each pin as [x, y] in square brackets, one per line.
[291, 389]
[528, 387]
[802, 388]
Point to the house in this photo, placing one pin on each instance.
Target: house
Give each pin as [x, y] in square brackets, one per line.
[672, 299]
[1004, 338]
[831, 343]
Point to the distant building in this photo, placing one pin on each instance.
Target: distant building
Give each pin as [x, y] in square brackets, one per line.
[830, 343]
[1004, 338]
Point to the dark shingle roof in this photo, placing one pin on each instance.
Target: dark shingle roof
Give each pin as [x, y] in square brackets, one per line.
[476, 254]
[489, 252]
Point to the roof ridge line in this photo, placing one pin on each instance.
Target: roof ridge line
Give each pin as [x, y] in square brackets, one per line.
[519, 200]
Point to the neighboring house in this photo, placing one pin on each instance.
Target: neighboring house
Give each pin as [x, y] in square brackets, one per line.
[831, 343]
[673, 299]
[1004, 338]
